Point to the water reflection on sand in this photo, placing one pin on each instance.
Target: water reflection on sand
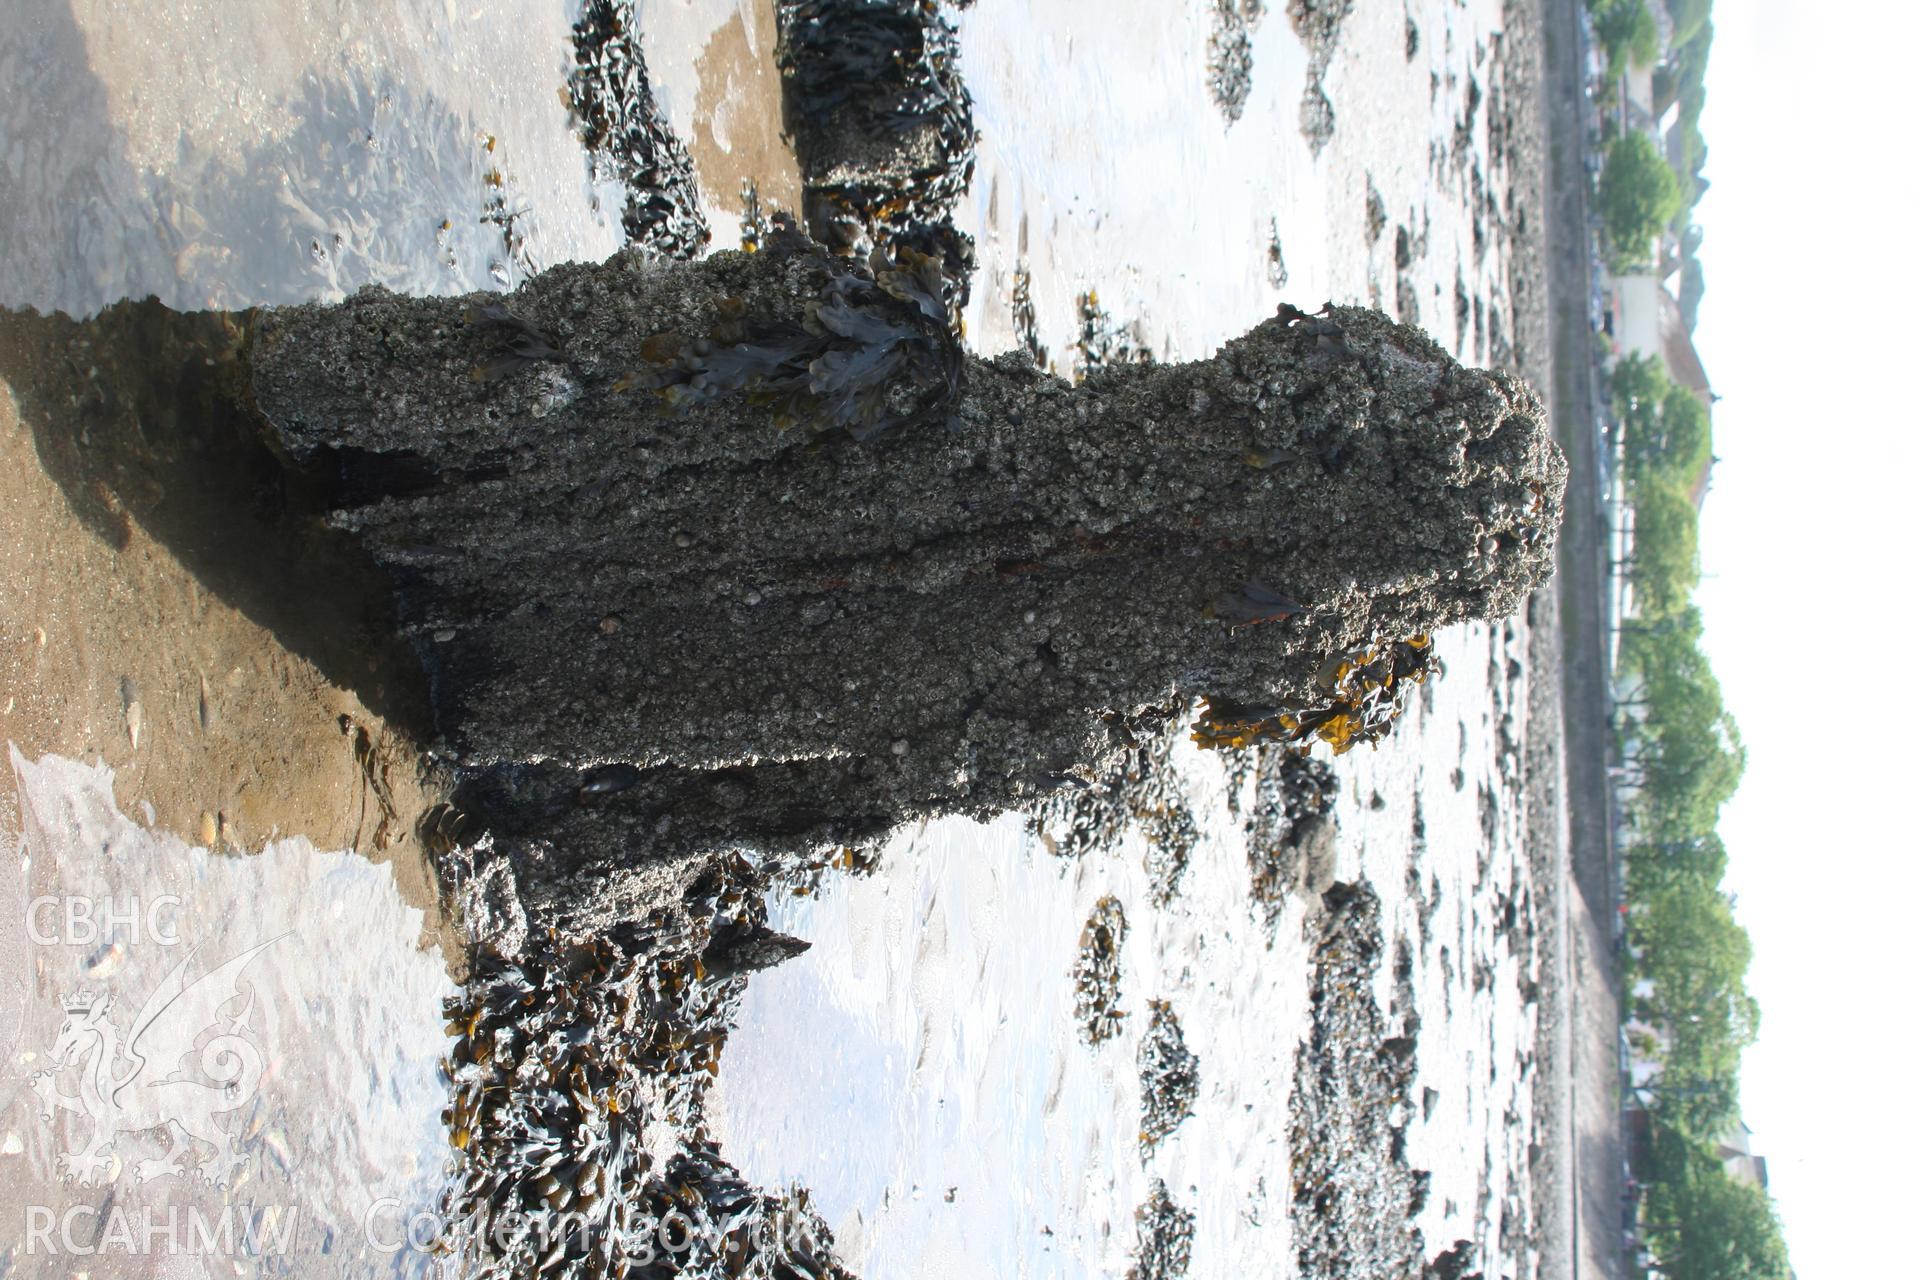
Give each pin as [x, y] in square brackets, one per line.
[341, 1123]
[224, 156]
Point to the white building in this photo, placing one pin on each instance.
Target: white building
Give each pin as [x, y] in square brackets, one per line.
[1737, 1158]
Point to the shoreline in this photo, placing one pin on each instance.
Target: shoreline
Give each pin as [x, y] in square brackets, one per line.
[1578, 1168]
[1583, 1076]
[1548, 839]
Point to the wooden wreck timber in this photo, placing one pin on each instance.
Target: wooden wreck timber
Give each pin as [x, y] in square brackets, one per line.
[748, 551]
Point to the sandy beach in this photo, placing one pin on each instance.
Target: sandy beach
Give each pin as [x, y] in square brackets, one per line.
[175, 617]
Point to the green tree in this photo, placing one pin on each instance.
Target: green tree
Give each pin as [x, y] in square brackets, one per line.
[1639, 195]
[1638, 383]
[1695, 955]
[1659, 649]
[1686, 771]
[1672, 1157]
[1628, 33]
[1686, 753]
[1666, 532]
[1642, 631]
[1667, 431]
[1696, 1107]
[1685, 440]
[1650, 649]
[1689, 19]
[1654, 866]
[1713, 1228]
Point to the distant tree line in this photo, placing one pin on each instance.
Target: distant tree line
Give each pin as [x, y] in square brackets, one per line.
[1667, 444]
[1705, 1224]
[1681, 751]
[1680, 747]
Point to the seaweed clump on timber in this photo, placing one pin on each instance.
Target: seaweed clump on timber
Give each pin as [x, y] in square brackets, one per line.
[1361, 694]
[852, 361]
[882, 126]
[627, 136]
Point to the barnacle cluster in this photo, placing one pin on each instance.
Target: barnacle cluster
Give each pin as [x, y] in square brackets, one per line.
[1317, 23]
[872, 353]
[1293, 801]
[1026, 322]
[1171, 835]
[626, 133]
[884, 126]
[1354, 1195]
[1230, 54]
[579, 1074]
[1169, 1077]
[1103, 341]
[1139, 789]
[805, 877]
[1165, 1246]
[1363, 695]
[1096, 974]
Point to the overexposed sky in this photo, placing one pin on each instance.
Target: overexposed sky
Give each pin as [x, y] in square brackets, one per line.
[1808, 543]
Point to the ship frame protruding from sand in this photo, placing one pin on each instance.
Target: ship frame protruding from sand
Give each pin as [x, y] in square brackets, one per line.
[748, 551]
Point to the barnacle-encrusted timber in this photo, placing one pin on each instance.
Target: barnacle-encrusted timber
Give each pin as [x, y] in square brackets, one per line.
[756, 529]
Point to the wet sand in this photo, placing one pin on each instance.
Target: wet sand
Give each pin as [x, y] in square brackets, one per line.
[170, 607]
[1551, 1153]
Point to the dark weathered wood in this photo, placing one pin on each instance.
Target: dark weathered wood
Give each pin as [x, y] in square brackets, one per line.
[755, 532]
